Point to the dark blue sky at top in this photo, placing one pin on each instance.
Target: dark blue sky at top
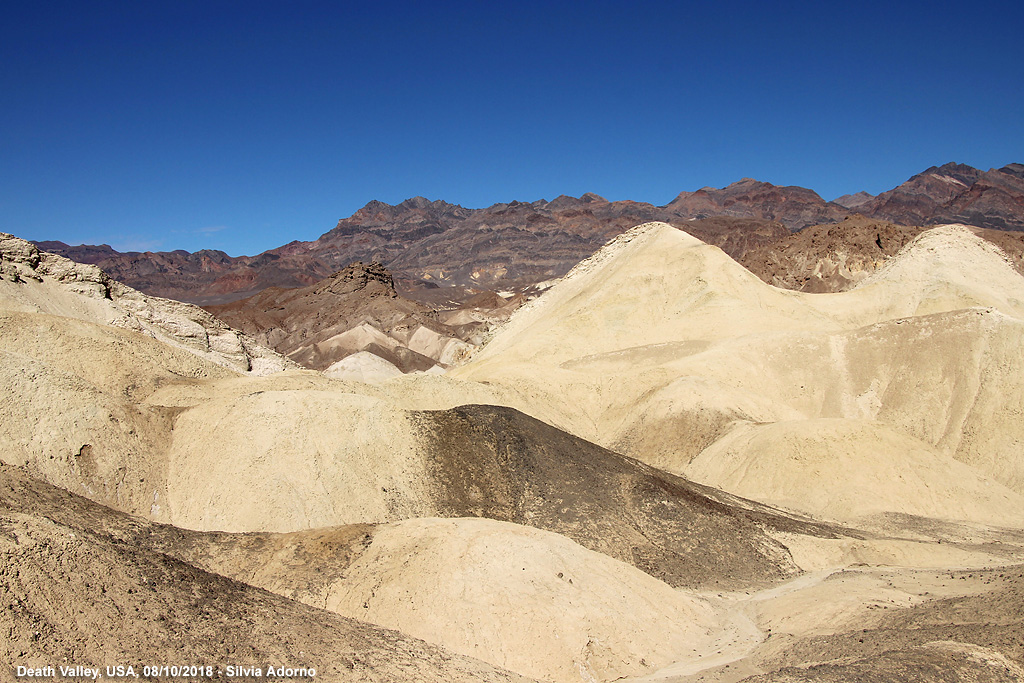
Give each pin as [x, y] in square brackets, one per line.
[242, 126]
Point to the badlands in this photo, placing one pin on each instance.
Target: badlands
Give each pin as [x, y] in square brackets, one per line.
[661, 469]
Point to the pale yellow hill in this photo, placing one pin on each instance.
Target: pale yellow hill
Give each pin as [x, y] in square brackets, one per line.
[651, 285]
[527, 600]
[659, 343]
[949, 379]
[656, 347]
[72, 410]
[281, 460]
[847, 469]
[362, 366]
[656, 284]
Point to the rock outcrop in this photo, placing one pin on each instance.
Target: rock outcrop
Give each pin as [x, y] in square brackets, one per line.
[38, 281]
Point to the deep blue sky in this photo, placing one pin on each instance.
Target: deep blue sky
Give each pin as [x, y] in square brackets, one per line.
[244, 125]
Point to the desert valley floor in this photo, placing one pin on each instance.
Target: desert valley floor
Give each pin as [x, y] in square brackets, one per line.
[660, 469]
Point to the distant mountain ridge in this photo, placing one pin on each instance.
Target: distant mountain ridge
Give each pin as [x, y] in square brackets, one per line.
[516, 244]
[955, 193]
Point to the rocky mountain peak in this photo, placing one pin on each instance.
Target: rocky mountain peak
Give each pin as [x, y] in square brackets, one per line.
[416, 202]
[372, 277]
[374, 206]
[960, 172]
[1014, 170]
[852, 201]
[562, 201]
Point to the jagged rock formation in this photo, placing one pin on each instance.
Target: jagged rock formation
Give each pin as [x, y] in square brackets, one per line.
[425, 244]
[514, 245]
[37, 281]
[828, 258]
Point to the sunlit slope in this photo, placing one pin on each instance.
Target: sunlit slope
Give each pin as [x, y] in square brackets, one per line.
[848, 469]
[656, 284]
[651, 285]
[661, 345]
[154, 430]
[297, 451]
[73, 410]
[503, 592]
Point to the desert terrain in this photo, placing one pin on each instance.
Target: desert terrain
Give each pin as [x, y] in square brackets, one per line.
[669, 464]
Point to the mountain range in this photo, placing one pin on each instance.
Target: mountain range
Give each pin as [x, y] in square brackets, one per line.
[429, 245]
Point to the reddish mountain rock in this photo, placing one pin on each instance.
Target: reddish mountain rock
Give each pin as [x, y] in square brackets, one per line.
[955, 193]
[442, 253]
[428, 245]
[795, 207]
[836, 256]
[852, 201]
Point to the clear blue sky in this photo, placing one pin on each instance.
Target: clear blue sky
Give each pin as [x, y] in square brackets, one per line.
[244, 125]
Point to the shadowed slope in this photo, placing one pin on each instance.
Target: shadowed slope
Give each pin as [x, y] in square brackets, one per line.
[975, 636]
[496, 462]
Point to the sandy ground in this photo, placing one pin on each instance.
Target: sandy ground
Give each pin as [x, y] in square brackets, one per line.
[831, 607]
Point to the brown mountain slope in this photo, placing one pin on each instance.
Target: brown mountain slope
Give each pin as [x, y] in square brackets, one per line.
[323, 323]
[835, 257]
[828, 258]
[795, 207]
[955, 193]
[852, 201]
[505, 246]
[516, 244]
[499, 463]
[313, 325]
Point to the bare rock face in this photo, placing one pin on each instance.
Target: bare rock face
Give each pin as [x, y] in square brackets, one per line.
[828, 258]
[440, 251]
[38, 281]
[373, 278]
[429, 246]
[852, 201]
